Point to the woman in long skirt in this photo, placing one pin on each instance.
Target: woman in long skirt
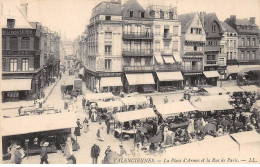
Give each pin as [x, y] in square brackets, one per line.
[68, 148]
[86, 125]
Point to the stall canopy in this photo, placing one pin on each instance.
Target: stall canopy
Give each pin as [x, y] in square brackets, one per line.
[38, 123]
[214, 105]
[110, 81]
[82, 71]
[215, 90]
[233, 89]
[211, 74]
[168, 59]
[249, 144]
[134, 100]
[251, 88]
[98, 96]
[171, 109]
[214, 98]
[140, 79]
[135, 115]
[16, 84]
[169, 76]
[110, 104]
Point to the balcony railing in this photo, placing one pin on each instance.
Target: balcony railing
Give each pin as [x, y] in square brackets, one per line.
[208, 62]
[138, 68]
[166, 52]
[137, 35]
[167, 36]
[192, 68]
[213, 48]
[165, 67]
[141, 52]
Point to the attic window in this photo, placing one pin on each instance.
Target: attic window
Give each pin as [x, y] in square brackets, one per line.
[10, 23]
[170, 15]
[142, 14]
[131, 13]
[108, 17]
[213, 28]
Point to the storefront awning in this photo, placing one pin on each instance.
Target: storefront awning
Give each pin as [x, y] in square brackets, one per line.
[158, 58]
[110, 81]
[242, 69]
[135, 115]
[140, 79]
[177, 57]
[169, 76]
[211, 74]
[215, 105]
[16, 84]
[38, 123]
[171, 109]
[168, 59]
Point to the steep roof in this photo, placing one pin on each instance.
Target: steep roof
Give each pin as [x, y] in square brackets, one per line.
[244, 22]
[186, 20]
[208, 19]
[107, 8]
[12, 12]
[136, 7]
[227, 28]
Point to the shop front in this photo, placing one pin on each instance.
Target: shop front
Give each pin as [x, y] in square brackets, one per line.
[169, 81]
[192, 79]
[139, 82]
[211, 77]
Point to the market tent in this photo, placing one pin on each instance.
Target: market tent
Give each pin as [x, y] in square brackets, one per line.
[135, 115]
[174, 108]
[214, 105]
[134, 100]
[37, 123]
[98, 96]
[16, 84]
[215, 90]
[233, 89]
[110, 104]
[249, 144]
[214, 98]
[219, 147]
[251, 88]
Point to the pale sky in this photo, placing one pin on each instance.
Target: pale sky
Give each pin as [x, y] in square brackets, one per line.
[71, 16]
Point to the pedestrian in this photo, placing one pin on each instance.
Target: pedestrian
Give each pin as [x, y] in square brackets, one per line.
[77, 129]
[165, 99]
[99, 132]
[17, 155]
[90, 114]
[95, 151]
[11, 150]
[68, 148]
[86, 125]
[122, 151]
[43, 154]
[83, 103]
[20, 110]
[42, 94]
[108, 125]
[71, 159]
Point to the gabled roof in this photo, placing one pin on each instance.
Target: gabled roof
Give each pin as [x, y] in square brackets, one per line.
[208, 19]
[136, 7]
[227, 28]
[186, 20]
[12, 12]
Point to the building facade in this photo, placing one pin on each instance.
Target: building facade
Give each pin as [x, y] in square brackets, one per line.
[104, 53]
[166, 47]
[193, 41]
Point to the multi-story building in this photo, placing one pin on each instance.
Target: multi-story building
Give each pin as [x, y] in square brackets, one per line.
[137, 44]
[166, 47]
[229, 44]
[104, 53]
[193, 40]
[68, 54]
[20, 57]
[214, 33]
[248, 43]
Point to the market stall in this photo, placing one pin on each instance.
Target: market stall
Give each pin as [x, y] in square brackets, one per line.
[249, 144]
[92, 97]
[214, 105]
[110, 105]
[214, 98]
[214, 91]
[132, 103]
[233, 89]
[34, 129]
[251, 88]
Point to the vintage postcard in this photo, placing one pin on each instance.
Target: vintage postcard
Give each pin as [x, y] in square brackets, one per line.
[130, 82]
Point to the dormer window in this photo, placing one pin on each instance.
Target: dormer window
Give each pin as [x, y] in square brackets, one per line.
[161, 15]
[170, 15]
[131, 13]
[142, 14]
[213, 28]
[10, 23]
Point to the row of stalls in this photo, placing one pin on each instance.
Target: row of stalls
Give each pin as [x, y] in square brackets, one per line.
[31, 131]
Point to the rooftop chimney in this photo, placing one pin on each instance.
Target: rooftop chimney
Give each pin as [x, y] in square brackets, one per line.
[24, 9]
[252, 20]
[201, 17]
[233, 18]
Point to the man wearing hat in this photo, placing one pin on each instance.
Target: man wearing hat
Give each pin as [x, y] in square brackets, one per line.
[17, 155]
[43, 154]
[95, 151]
[122, 150]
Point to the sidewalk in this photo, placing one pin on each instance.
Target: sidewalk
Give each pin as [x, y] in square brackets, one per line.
[15, 105]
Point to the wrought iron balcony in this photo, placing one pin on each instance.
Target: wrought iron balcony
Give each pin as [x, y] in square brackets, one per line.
[166, 67]
[213, 48]
[211, 62]
[140, 52]
[192, 68]
[167, 36]
[138, 68]
[137, 35]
